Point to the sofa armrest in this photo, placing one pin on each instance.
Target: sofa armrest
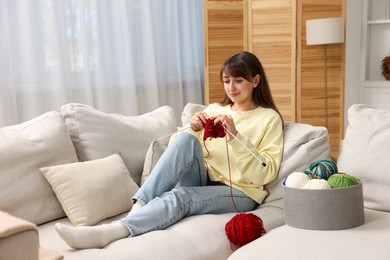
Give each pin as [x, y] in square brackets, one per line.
[18, 238]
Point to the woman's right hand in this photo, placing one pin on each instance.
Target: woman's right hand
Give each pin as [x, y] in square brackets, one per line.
[198, 120]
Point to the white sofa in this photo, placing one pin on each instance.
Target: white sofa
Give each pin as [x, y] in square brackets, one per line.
[42, 182]
[365, 154]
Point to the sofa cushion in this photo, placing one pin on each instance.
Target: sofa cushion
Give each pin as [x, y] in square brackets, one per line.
[42, 141]
[303, 145]
[189, 110]
[156, 149]
[93, 190]
[195, 237]
[368, 241]
[365, 153]
[96, 134]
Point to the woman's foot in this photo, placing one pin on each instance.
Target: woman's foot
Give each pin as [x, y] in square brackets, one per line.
[91, 237]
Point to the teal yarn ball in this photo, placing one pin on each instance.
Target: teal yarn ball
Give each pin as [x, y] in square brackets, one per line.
[342, 180]
[321, 169]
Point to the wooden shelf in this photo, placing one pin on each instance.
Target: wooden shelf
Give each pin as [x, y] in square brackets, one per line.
[374, 89]
[387, 21]
[376, 84]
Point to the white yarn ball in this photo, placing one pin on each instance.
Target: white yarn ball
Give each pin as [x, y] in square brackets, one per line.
[297, 180]
[317, 184]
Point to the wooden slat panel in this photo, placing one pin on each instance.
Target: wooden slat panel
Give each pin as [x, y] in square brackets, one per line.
[311, 87]
[276, 32]
[224, 32]
[272, 39]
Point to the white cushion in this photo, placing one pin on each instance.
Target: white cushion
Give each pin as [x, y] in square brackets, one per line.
[189, 110]
[195, 237]
[368, 241]
[365, 153]
[93, 190]
[42, 141]
[96, 134]
[156, 149]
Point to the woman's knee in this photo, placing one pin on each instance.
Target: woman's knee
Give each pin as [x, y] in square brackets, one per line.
[186, 139]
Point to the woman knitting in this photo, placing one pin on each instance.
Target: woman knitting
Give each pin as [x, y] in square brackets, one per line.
[194, 175]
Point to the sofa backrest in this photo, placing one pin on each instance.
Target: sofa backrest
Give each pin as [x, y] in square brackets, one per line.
[78, 133]
[25, 148]
[365, 153]
[82, 133]
[96, 134]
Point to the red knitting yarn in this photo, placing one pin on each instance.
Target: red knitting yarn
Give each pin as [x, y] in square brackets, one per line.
[213, 131]
[244, 228]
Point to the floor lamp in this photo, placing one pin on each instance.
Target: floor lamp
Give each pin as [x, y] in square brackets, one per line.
[323, 32]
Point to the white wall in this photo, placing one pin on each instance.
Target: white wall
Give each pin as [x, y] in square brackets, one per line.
[353, 55]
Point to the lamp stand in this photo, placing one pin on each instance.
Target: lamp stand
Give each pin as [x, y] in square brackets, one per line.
[325, 31]
[326, 83]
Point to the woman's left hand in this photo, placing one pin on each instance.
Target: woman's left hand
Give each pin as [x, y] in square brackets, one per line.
[228, 123]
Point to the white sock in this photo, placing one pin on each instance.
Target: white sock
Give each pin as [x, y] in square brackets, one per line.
[91, 237]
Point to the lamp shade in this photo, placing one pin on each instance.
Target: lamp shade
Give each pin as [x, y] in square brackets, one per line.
[325, 31]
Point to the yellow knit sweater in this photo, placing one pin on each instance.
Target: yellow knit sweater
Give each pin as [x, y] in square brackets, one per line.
[261, 131]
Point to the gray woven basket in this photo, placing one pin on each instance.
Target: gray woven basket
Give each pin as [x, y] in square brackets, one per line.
[328, 209]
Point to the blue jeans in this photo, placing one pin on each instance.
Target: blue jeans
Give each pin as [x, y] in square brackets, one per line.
[178, 187]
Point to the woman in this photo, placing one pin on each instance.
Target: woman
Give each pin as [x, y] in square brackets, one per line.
[194, 176]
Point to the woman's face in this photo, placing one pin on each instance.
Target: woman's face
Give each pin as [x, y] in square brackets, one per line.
[238, 89]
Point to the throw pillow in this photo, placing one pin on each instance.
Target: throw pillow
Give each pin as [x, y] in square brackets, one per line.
[156, 149]
[189, 110]
[26, 147]
[96, 134]
[93, 190]
[365, 153]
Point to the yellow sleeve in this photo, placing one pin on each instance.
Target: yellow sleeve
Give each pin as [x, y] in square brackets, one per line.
[269, 151]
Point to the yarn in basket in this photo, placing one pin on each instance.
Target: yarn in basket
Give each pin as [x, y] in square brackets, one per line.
[317, 184]
[321, 169]
[341, 180]
[296, 180]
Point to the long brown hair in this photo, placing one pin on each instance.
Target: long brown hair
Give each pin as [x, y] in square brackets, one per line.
[246, 65]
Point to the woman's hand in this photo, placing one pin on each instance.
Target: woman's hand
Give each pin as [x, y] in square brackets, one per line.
[198, 120]
[228, 123]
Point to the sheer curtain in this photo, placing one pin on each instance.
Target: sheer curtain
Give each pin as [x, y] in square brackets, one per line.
[122, 56]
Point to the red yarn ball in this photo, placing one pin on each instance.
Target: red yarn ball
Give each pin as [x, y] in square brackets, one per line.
[244, 228]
